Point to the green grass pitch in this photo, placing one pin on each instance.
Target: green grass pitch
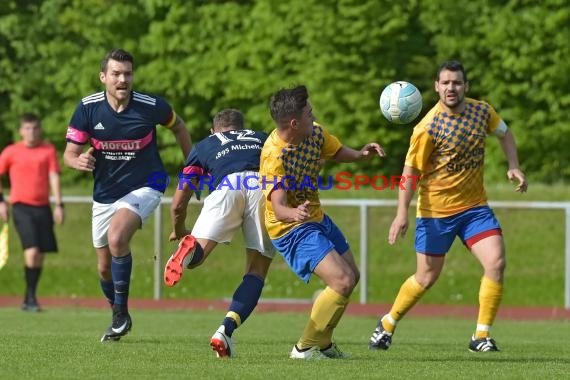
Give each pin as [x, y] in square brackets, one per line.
[63, 343]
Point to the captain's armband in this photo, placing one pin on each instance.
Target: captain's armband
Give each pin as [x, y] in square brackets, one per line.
[174, 119]
[501, 129]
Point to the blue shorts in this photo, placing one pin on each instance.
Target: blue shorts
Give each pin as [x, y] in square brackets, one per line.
[306, 245]
[434, 236]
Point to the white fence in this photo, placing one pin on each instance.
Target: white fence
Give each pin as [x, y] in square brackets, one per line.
[363, 205]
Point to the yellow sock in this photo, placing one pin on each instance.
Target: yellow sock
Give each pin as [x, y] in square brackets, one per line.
[410, 292]
[327, 310]
[490, 295]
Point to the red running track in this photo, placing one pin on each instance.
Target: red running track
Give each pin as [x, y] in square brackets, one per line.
[271, 305]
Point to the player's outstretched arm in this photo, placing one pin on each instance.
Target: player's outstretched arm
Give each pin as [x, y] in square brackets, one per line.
[509, 147]
[55, 185]
[178, 208]
[74, 158]
[4, 212]
[182, 136]
[399, 225]
[346, 154]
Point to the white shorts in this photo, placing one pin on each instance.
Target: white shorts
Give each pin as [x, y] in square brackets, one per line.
[240, 205]
[141, 201]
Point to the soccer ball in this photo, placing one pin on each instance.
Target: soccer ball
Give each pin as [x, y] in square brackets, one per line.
[401, 102]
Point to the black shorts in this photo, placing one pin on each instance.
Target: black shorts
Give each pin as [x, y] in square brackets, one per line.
[35, 227]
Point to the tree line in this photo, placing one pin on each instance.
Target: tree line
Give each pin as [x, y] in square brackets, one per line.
[203, 56]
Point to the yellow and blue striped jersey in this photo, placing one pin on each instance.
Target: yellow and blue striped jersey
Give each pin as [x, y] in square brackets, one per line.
[296, 167]
[449, 149]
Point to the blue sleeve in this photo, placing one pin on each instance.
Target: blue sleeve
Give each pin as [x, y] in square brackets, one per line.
[193, 165]
[164, 113]
[79, 118]
[78, 128]
[262, 136]
[192, 159]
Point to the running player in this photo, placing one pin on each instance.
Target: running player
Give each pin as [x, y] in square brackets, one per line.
[120, 125]
[227, 160]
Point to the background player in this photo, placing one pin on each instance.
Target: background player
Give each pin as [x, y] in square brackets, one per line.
[230, 159]
[447, 147]
[120, 124]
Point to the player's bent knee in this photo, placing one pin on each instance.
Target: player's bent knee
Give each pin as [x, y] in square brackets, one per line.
[118, 244]
[261, 274]
[426, 281]
[356, 277]
[258, 266]
[345, 284]
[502, 264]
[105, 273]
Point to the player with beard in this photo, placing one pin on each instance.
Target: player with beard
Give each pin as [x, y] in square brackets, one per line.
[120, 125]
[447, 148]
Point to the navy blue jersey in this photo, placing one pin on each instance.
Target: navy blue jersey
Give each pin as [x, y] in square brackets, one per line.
[224, 153]
[124, 142]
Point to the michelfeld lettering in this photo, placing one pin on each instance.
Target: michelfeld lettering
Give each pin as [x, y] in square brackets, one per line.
[246, 146]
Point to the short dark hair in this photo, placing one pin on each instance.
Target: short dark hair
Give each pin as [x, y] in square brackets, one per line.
[288, 103]
[116, 55]
[228, 118]
[452, 66]
[30, 118]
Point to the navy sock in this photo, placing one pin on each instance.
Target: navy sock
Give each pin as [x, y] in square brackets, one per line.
[108, 289]
[198, 254]
[230, 325]
[121, 269]
[244, 301]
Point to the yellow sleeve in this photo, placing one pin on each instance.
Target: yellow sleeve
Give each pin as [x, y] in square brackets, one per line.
[271, 171]
[493, 121]
[421, 148]
[331, 145]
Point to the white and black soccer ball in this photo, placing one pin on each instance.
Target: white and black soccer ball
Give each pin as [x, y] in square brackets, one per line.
[401, 102]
